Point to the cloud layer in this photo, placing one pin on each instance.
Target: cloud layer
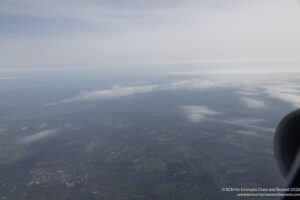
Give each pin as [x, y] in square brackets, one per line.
[196, 113]
[284, 87]
[254, 103]
[113, 93]
[250, 126]
[38, 136]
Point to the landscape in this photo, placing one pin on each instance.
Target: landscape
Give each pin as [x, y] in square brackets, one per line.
[175, 138]
[149, 100]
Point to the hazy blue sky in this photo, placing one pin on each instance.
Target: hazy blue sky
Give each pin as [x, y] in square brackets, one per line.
[139, 33]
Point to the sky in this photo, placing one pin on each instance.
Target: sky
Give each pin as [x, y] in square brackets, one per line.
[140, 34]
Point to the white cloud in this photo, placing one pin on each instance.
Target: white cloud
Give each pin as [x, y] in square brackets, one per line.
[243, 122]
[24, 128]
[43, 125]
[247, 92]
[254, 103]
[279, 85]
[282, 86]
[253, 125]
[263, 129]
[196, 113]
[248, 133]
[250, 126]
[288, 91]
[113, 93]
[38, 136]
[201, 83]
[118, 91]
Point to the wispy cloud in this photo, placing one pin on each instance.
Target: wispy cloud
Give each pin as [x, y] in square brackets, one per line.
[43, 125]
[288, 91]
[196, 113]
[244, 121]
[113, 93]
[24, 128]
[254, 125]
[254, 103]
[38, 136]
[118, 91]
[248, 133]
[282, 86]
[247, 92]
[200, 83]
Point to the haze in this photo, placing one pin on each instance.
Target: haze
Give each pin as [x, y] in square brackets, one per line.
[140, 35]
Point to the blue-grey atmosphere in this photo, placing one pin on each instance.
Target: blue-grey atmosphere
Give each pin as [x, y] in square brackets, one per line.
[144, 100]
[144, 34]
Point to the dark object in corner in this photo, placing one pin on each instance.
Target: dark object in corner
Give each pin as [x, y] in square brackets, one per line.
[286, 147]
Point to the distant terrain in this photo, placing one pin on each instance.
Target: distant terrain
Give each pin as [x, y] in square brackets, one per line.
[162, 138]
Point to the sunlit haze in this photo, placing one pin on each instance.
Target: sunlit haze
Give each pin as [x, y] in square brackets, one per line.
[134, 34]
